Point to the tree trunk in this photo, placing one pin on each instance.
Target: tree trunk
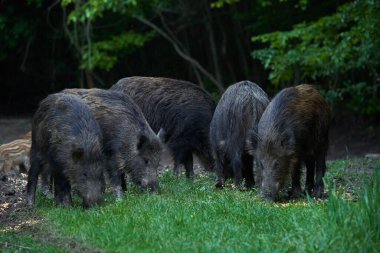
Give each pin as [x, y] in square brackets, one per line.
[89, 79]
[211, 38]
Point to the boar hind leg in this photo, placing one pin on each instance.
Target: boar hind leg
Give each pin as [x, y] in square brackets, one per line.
[116, 182]
[296, 191]
[248, 171]
[310, 172]
[123, 182]
[219, 170]
[33, 178]
[189, 166]
[46, 181]
[62, 190]
[320, 173]
[237, 168]
[7, 166]
[177, 168]
[186, 159]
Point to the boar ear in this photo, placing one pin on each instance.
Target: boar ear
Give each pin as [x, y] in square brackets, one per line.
[143, 140]
[77, 154]
[251, 145]
[161, 135]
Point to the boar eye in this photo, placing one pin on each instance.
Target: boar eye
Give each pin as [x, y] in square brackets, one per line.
[276, 165]
[85, 174]
[146, 161]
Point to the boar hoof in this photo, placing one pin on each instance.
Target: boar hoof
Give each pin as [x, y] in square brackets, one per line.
[219, 185]
[269, 200]
[190, 174]
[296, 194]
[63, 204]
[319, 194]
[48, 194]
[30, 203]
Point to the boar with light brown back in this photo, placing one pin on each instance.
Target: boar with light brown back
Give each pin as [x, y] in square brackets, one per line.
[293, 129]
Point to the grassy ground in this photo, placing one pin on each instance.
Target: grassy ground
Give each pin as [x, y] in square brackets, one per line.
[194, 217]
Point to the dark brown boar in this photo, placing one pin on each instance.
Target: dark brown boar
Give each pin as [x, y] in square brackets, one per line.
[233, 131]
[66, 140]
[293, 129]
[182, 109]
[130, 145]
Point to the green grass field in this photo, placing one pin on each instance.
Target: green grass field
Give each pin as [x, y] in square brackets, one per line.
[191, 216]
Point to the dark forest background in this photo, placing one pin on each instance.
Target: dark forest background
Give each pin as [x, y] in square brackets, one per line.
[46, 46]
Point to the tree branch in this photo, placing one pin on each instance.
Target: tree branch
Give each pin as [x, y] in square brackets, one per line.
[181, 53]
[72, 38]
[180, 45]
[22, 67]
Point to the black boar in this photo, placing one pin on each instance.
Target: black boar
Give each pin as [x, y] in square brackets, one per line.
[130, 145]
[293, 128]
[182, 109]
[233, 129]
[67, 140]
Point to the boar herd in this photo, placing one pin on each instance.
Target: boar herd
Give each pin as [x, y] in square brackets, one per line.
[82, 136]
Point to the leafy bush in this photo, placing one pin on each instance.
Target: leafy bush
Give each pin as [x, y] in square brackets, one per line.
[343, 46]
[359, 97]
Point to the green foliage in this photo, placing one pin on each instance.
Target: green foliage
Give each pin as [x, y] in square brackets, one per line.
[105, 54]
[302, 4]
[222, 3]
[359, 97]
[337, 48]
[327, 48]
[94, 9]
[362, 98]
[13, 30]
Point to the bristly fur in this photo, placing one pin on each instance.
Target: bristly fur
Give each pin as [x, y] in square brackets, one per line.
[182, 109]
[15, 154]
[235, 124]
[294, 129]
[67, 139]
[130, 144]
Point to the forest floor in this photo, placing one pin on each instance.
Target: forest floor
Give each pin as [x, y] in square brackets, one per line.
[346, 140]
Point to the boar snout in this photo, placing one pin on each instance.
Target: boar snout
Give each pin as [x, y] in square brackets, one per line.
[270, 192]
[150, 185]
[91, 202]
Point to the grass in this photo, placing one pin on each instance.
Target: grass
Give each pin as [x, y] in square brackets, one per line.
[191, 216]
[16, 242]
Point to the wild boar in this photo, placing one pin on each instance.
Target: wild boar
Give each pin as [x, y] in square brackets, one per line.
[182, 109]
[293, 129]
